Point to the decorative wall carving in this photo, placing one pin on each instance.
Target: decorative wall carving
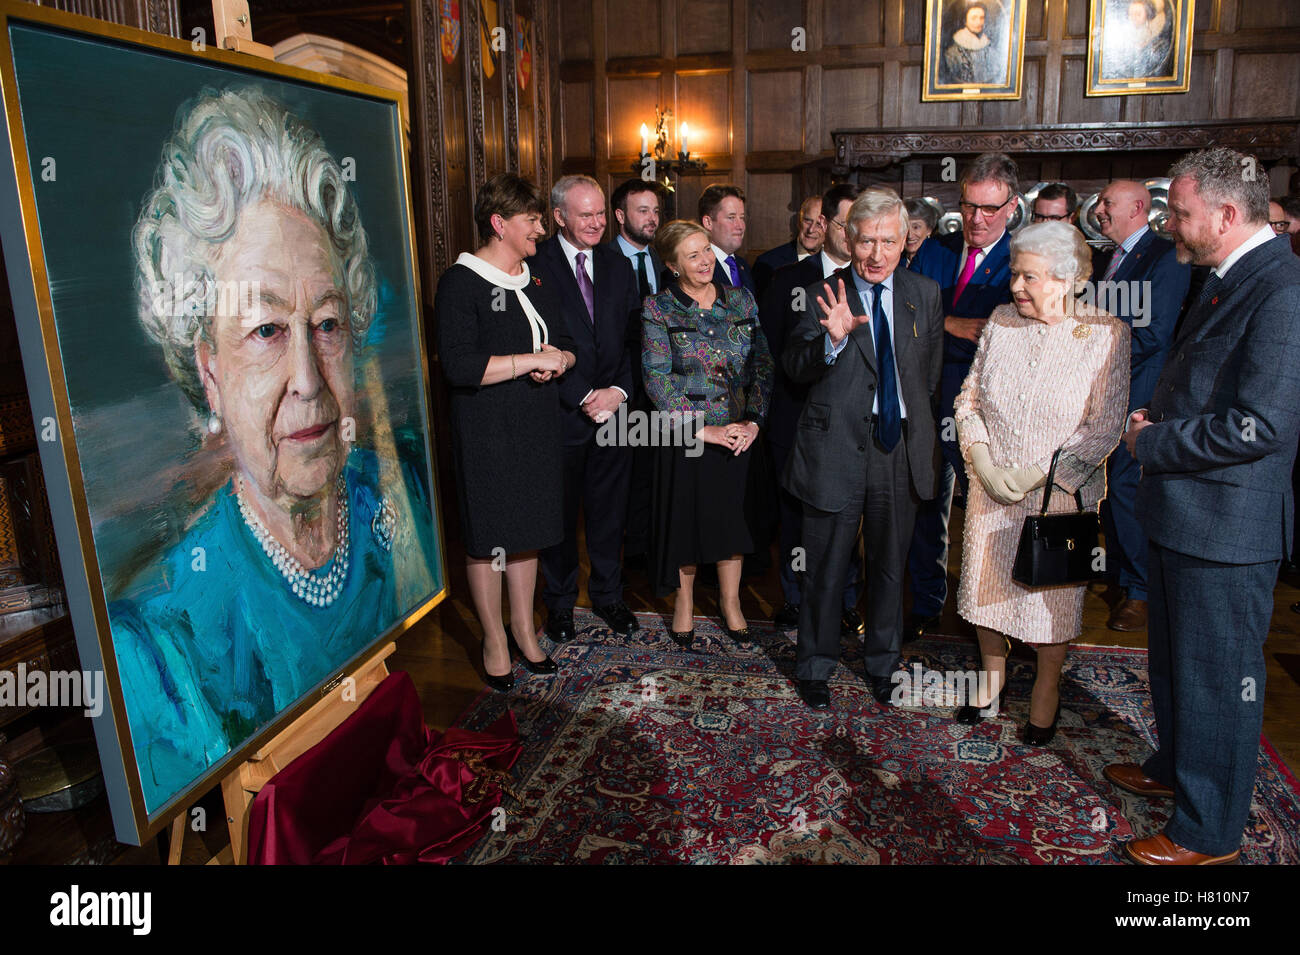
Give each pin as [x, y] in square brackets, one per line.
[874, 149]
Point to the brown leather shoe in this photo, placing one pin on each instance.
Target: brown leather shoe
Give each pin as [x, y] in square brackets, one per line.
[1130, 776]
[1161, 850]
[1129, 615]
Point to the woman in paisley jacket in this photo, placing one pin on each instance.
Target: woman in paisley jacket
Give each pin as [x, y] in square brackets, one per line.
[709, 373]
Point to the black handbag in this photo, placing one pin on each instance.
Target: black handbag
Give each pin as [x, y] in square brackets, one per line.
[1057, 548]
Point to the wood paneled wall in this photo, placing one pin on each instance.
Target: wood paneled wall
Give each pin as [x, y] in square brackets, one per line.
[761, 113]
[474, 116]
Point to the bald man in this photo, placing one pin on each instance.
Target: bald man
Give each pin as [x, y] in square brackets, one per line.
[809, 234]
[1142, 283]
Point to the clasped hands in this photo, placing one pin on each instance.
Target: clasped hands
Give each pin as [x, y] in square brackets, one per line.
[739, 435]
[551, 363]
[1004, 485]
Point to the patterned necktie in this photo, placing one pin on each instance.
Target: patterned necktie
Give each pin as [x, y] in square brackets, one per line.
[966, 274]
[584, 286]
[642, 276]
[734, 269]
[889, 427]
[1211, 286]
[1114, 263]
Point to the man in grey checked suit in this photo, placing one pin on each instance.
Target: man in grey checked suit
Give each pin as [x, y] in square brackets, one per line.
[870, 345]
[1216, 448]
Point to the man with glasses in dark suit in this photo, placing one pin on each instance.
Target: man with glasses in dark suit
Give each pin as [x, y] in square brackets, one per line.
[973, 268]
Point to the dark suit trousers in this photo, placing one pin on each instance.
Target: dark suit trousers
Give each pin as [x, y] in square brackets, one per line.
[1208, 623]
[1126, 542]
[595, 481]
[886, 515]
[791, 536]
[928, 553]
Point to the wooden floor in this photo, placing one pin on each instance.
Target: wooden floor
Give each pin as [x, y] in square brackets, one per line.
[442, 653]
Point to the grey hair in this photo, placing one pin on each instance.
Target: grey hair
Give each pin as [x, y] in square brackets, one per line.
[229, 150]
[1220, 175]
[878, 202]
[916, 209]
[992, 167]
[1068, 255]
[565, 183]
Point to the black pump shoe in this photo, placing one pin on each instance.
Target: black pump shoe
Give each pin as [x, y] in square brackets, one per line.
[683, 638]
[970, 715]
[502, 684]
[1040, 735]
[541, 668]
[743, 635]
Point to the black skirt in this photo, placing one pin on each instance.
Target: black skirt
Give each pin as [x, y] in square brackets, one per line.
[705, 508]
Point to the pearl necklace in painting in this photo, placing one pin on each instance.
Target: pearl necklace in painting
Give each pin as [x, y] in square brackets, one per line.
[317, 591]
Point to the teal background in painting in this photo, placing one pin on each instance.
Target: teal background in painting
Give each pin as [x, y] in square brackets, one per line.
[101, 111]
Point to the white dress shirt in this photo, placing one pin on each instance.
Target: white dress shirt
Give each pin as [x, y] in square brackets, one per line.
[1264, 234]
[860, 285]
[631, 251]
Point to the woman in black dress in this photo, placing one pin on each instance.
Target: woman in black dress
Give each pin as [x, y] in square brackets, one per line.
[502, 344]
[704, 357]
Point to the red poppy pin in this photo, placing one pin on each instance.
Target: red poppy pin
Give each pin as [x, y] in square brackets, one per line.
[1215, 300]
[537, 281]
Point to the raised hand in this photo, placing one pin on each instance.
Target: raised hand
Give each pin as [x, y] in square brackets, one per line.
[839, 320]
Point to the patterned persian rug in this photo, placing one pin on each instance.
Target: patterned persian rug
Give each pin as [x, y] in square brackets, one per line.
[640, 752]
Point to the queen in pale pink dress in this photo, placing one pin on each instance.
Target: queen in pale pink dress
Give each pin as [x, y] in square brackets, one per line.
[1050, 372]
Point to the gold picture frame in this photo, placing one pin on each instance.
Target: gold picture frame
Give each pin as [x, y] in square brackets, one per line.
[974, 50]
[69, 210]
[1136, 47]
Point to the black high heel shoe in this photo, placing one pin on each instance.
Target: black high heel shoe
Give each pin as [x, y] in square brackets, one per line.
[1040, 735]
[683, 638]
[970, 715]
[743, 635]
[503, 683]
[543, 667]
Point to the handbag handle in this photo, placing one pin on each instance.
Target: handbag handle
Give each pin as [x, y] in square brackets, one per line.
[1051, 479]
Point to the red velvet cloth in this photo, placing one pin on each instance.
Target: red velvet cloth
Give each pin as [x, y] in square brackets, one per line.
[383, 788]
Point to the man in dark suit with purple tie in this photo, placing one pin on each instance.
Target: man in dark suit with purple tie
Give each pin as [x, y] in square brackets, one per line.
[722, 213]
[597, 291]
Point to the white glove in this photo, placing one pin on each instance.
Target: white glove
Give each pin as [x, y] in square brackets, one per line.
[1027, 479]
[994, 479]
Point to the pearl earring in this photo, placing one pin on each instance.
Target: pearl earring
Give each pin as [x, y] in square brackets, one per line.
[214, 423]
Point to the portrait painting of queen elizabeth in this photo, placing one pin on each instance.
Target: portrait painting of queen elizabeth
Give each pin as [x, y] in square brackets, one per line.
[243, 371]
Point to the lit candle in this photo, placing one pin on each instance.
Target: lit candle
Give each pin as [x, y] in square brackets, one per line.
[685, 133]
[645, 140]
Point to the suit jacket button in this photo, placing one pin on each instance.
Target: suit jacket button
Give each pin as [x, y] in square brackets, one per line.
[862, 447]
[867, 418]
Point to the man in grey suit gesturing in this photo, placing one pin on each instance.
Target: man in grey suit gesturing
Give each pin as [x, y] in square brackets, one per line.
[1216, 448]
[870, 345]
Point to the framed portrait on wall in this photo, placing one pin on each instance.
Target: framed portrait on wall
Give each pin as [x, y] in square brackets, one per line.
[1140, 46]
[212, 268]
[974, 49]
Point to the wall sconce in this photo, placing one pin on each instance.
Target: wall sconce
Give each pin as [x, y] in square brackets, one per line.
[659, 166]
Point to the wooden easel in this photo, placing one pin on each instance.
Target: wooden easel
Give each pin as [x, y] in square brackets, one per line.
[235, 32]
[242, 785]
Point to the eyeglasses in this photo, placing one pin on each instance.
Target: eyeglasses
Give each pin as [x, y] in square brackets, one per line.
[970, 208]
[842, 225]
[1280, 226]
[1042, 217]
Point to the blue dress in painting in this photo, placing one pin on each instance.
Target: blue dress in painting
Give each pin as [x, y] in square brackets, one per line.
[215, 643]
